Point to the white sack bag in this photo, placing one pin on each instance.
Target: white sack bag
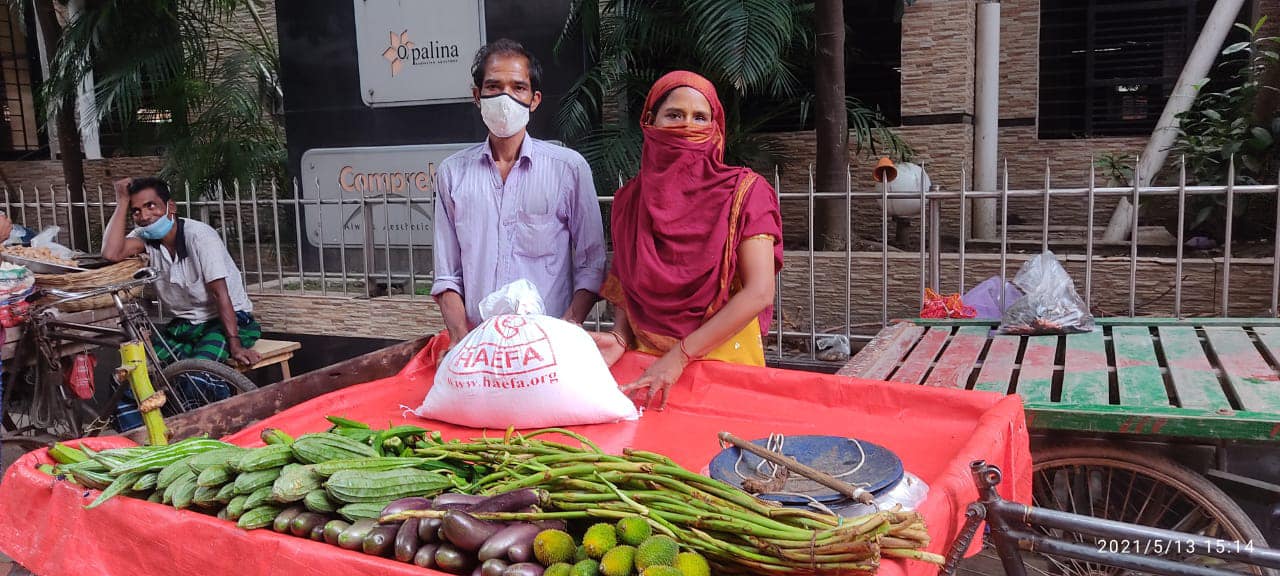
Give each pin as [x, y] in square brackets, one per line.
[524, 369]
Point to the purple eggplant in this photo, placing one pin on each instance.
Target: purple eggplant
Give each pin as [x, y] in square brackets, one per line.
[380, 541]
[425, 557]
[466, 531]
[407, 542]
[521, 552]
[477, 571]
[497, 546]
[333, 529]
[411, 503]
[285, 518]
[302, 524]
[352, 537]
[453, 501]
[429, 529]
[508, 501]
[523, 569]
[493, 567]
[452, 560]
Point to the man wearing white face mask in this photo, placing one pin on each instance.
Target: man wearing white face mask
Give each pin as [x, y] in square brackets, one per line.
[513, 206]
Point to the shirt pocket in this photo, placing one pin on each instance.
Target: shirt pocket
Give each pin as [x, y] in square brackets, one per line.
[180, 273]
[536, 235]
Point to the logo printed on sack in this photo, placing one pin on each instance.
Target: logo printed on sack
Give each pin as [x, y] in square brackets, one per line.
[490, 358]
[509, 326]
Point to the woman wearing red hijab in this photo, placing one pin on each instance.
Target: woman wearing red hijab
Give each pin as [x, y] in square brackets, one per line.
[697, 244]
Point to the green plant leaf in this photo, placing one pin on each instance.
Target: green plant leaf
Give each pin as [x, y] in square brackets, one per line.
[739, 41]
[1262, 136]
[1232, 49]
[189, 59]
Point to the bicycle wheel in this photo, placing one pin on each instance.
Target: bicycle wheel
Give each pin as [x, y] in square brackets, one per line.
[1125, 486]
[194, 382]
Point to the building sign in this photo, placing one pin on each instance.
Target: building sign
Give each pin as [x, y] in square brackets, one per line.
[393, 173]
[414, 52]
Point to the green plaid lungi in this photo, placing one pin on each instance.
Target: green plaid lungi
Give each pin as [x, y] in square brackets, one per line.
[182, 339]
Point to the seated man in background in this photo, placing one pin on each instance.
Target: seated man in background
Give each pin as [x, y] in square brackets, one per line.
[198, 281]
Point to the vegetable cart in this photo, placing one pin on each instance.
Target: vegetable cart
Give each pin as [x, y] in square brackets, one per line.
[379, 387]
[1125, 411]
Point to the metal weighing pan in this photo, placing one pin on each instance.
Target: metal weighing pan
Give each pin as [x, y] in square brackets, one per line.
[39, 266]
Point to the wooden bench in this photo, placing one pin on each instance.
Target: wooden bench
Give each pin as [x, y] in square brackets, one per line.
[275, 352]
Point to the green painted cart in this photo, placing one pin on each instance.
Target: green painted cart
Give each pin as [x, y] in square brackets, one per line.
[1131, 421]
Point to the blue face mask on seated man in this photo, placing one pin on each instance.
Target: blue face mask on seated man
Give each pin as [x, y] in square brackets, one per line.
[156, 230]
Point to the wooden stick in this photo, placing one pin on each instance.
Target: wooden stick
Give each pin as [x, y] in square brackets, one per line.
[791, 464]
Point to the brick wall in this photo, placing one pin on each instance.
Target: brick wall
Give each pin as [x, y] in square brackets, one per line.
[1019, 58]
[245, 27]
[1270, 9]
[28, 174]
[937, 78]
[937, 57]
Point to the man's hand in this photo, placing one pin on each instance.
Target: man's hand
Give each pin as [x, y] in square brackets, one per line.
[122, 190]
[243, 356]
[657, 380]
[580, 307]
[454, 312]
[454, 339]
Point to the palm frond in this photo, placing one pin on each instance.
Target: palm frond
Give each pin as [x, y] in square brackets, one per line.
[185, 58]
[739, 41]
[613, 152]
[748, 48]
[582, 24]
[870, 131]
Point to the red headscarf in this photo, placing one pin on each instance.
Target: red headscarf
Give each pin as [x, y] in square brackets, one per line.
[678, 223]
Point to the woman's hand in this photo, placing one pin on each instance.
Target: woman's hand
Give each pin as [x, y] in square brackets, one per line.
[610, 345]
[6, 227]
[658, 379]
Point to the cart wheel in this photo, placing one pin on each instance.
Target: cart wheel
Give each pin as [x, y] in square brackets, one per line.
[1125, 486]
[194, 382]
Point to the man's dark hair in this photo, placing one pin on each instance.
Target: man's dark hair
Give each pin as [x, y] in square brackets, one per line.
[505, 47]
[139, 184]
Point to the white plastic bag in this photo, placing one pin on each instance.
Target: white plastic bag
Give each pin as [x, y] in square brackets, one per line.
[16, 234]
[48, 238]
[1050, 304]
[910, 493]
[15, 283]
[520, 297]
[523, 369]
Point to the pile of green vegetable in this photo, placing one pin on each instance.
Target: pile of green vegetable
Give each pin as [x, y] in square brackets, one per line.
[506, 506]
[735, 531]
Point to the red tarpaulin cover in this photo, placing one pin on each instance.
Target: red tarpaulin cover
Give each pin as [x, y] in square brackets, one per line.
[936, 432]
